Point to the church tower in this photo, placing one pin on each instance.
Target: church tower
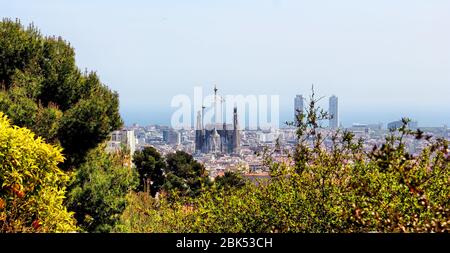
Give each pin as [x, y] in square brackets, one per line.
[236, 133]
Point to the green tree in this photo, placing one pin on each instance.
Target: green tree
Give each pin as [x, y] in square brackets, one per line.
[230, 180]
[32, 187]
[150, 166]
[184, 174]
[42, 89]
[98, 194]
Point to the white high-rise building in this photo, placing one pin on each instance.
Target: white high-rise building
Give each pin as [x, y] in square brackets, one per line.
[334, 112]
[298, 105]
[121, 138]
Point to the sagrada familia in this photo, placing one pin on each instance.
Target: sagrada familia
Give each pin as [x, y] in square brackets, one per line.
[217, 138]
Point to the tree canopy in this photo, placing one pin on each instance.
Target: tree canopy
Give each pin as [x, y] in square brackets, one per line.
[230, 180]
[150, 166]
[184, 174]
[177, 172]
[98, 193]
[42, 89]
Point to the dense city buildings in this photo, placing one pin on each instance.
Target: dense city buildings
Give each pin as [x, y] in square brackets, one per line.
[171, 137]
[222, 147]
[251, 144]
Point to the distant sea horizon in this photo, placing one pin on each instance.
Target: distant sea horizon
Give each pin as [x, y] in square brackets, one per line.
[436, 118]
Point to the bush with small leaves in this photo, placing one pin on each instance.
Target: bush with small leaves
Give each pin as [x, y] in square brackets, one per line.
[98, 193]
[32, 187]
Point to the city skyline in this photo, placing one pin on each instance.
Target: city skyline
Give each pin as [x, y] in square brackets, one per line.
[385, 60]
[345, 119]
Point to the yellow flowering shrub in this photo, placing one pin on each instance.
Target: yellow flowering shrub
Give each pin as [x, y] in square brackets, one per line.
[32, 187]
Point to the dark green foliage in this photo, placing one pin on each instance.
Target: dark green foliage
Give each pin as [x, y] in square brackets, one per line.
[88, 123]
[18, 49]
[98, 194]
[42, 89]
[230, 180]
[177, 174]
[150, 166]
[184, 174]
[20, 109]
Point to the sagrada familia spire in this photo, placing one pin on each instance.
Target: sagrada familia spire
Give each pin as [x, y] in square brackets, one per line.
[217, 137]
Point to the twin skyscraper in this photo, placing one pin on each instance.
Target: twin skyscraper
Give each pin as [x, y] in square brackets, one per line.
[333, 109]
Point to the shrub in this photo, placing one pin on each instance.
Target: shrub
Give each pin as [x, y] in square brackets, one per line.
[98, 193]
[32, 187]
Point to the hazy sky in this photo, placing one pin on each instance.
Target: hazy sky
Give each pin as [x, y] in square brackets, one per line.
[384, 59]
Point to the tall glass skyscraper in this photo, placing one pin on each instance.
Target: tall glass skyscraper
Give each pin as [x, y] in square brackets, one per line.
[298, 105]
[334, 112]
